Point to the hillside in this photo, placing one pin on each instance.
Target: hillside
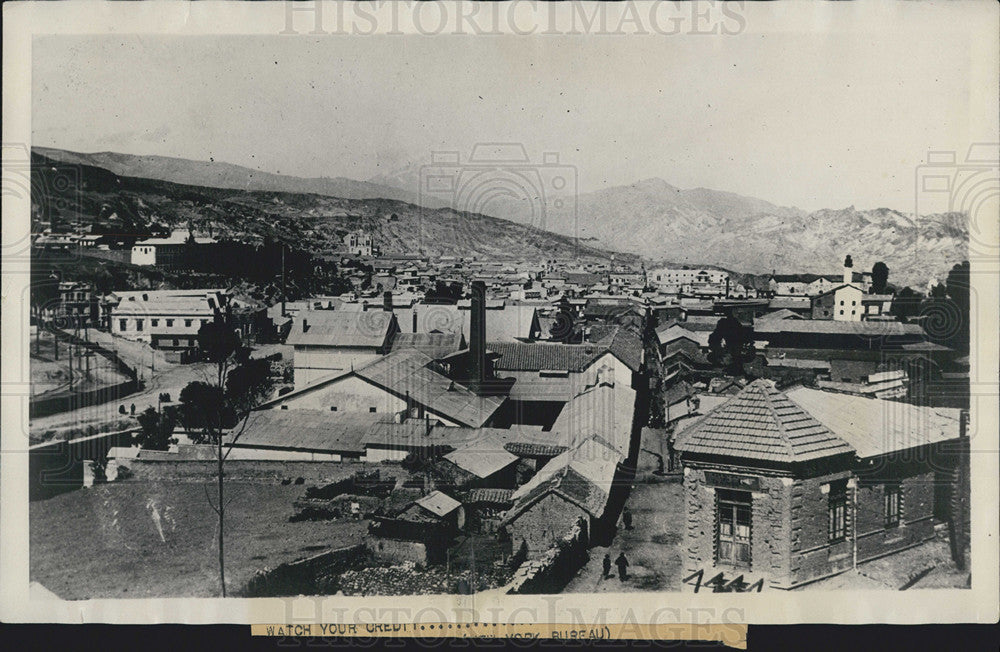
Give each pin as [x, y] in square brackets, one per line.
[217, 174]
[700, 226]
[93, 195]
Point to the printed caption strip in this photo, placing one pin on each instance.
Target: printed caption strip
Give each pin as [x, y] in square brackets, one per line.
[729, 634]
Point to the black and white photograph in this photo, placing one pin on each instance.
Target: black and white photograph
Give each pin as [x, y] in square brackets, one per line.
[658, 300]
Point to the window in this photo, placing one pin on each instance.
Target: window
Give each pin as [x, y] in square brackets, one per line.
[841, 302]
[123, 324]
[138, 324]
[733, 530]
[187, 322]
[176, 342]
[841, 312]
[854, 303]
[371, 409]
[893, 502]
[204, 321]
[154, 323]
[837, 508]
[170, 322]
[333, 408]
[284, 407]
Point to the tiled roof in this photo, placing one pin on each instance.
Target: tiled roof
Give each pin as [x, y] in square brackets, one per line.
[582, 475]
[515, 356]
[626, 346]
[761, 423]
[494, 496]
[801, 303]
[525, 449]
[405, 373]
[340, 328]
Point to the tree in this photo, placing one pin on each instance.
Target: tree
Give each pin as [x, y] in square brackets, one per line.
[156, 428]
[208, 410]
[731, 345]
[880, 277]
[906, 304]
[43, 295]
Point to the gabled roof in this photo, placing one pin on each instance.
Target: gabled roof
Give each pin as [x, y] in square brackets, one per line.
[761, 423]
[512, 323]
[483, 458]
[489, 496]
[674, 331]
[438, 503]
[582, 475]
[790, 303]
[340, 328]
[876, 426]
[778, 315]
[603, 410]
[625, 345]
[406, 373]
[433, 318]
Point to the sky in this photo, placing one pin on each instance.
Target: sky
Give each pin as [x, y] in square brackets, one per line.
[799, 119]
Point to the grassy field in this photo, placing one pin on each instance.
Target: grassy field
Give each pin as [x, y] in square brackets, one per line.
[159, 539]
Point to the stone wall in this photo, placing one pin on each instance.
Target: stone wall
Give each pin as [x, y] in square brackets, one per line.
[260, 471]
[549, 572]
[540, 525]
[315, 575]
[396, 551]
[770, 528]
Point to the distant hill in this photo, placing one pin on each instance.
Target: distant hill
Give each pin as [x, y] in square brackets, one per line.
[313, 222]
[650, 218]
[217, 174]
[700, 226]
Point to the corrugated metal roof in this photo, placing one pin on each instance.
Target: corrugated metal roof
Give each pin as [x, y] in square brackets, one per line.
[405, 373]
[308, 430]
[761, 423]
[875, 426]
[833, 327]
[604, 410]
[340, 328]
[483, 458]
[433, 345]
[439, 503]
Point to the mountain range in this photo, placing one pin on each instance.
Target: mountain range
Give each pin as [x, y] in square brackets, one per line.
[650, 218]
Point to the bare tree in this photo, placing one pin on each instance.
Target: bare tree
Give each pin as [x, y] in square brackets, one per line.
[208, 410]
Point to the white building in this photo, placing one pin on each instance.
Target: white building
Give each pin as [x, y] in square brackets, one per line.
[167, 315]
[358, 243]
[167, 252]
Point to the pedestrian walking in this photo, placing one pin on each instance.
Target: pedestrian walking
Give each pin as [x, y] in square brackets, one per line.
[622, 564]
[607, 566]
[627, 518]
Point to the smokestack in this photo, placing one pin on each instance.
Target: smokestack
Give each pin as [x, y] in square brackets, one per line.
[387, 301]
[848, 270]
[477, 334]
[414, 319]
[305, 325]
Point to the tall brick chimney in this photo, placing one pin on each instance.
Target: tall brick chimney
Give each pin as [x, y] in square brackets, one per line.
[477, 335]
[387, 301]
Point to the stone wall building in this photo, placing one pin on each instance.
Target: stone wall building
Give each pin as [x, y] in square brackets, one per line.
[791, 487]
